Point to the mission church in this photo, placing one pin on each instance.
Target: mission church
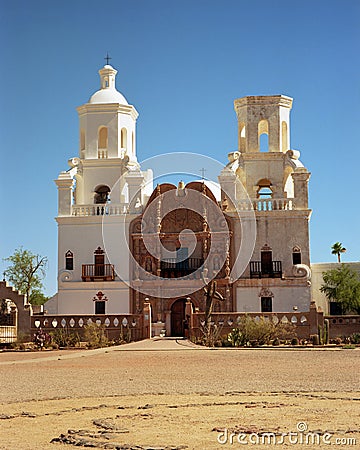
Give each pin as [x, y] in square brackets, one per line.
[259, 206]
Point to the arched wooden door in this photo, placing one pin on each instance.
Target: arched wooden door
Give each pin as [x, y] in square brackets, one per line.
[178, 317]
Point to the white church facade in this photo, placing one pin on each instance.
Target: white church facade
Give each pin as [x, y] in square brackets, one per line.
[105, 197]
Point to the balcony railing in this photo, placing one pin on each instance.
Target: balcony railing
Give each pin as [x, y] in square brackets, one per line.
[267, 204]
[259, 270]
[107, 209]
[96, 272]
[172, 268]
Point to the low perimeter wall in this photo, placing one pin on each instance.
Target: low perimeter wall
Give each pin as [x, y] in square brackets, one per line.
[343, 326]
[305, 323]
[128, 326]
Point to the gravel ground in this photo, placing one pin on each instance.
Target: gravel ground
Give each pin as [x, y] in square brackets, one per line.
[317, 385]
[169, 366]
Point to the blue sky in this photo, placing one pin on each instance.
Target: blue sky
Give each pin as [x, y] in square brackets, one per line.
[182, 64]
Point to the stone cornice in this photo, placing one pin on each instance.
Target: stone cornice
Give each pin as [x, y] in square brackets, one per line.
[264, 100]
[64, 183]
[262, 156]
[104, 162]
[292, 214]
[111, 108]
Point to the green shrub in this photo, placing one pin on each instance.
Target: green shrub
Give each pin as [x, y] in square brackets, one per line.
[125, 335]
[355, 338]
[95, 336]
[251, 332]
[63, 337]
[235, 338]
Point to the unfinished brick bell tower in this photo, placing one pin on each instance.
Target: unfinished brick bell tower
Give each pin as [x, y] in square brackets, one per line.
[276, 183]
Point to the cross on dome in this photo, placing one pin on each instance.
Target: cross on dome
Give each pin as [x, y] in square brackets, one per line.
[107, 57]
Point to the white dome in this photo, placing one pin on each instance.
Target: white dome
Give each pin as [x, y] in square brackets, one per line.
[108, 96]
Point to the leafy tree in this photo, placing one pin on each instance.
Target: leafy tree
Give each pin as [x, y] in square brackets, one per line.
[26, 272]
[37, 297]
[337, 249]
[343, 286]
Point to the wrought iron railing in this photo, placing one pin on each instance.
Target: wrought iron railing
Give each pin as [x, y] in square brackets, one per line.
[171, 267]
[261, 270]
[91, 272]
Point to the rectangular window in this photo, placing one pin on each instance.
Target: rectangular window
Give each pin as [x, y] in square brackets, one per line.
[296, 256]
[266, 304]
[99, 307]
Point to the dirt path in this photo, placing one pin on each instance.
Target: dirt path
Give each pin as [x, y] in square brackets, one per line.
[172, 394]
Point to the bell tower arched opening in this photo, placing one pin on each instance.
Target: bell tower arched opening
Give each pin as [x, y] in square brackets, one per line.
[263, 135]
[102, 193]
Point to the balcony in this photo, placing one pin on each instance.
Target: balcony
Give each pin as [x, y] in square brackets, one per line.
[272, 269]
[106, 209]
[172, 268]
[267, 204]
[98, 272]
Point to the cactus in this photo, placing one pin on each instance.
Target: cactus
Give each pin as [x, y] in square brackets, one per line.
[326, 331]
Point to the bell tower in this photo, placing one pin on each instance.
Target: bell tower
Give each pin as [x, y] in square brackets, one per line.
[107, 122]
[259, 115]
[104, 184]
[274, 185]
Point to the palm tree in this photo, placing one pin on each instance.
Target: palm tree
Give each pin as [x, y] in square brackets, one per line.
[337, 249]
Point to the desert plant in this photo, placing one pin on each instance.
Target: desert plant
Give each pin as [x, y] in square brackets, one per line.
[260, 332]
[235, 338]
[63, 337]
[323, 332]
[125, 335]
[95, 336]
[211, 334]
[355, 338]
[41, 339]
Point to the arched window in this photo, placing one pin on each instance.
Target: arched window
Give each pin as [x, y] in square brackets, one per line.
[123, 138]
[296, 255]
[264, 189]
[242, 136]
[103, 138]
[69, 260]
[284, 137]
[101, 194]
[263, 135]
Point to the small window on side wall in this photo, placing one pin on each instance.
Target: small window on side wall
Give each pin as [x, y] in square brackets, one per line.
[99, 307]
[266, 304]
[296, 256]
[69, 260]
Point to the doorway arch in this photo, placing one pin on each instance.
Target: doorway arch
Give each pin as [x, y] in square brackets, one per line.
[178, 318]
